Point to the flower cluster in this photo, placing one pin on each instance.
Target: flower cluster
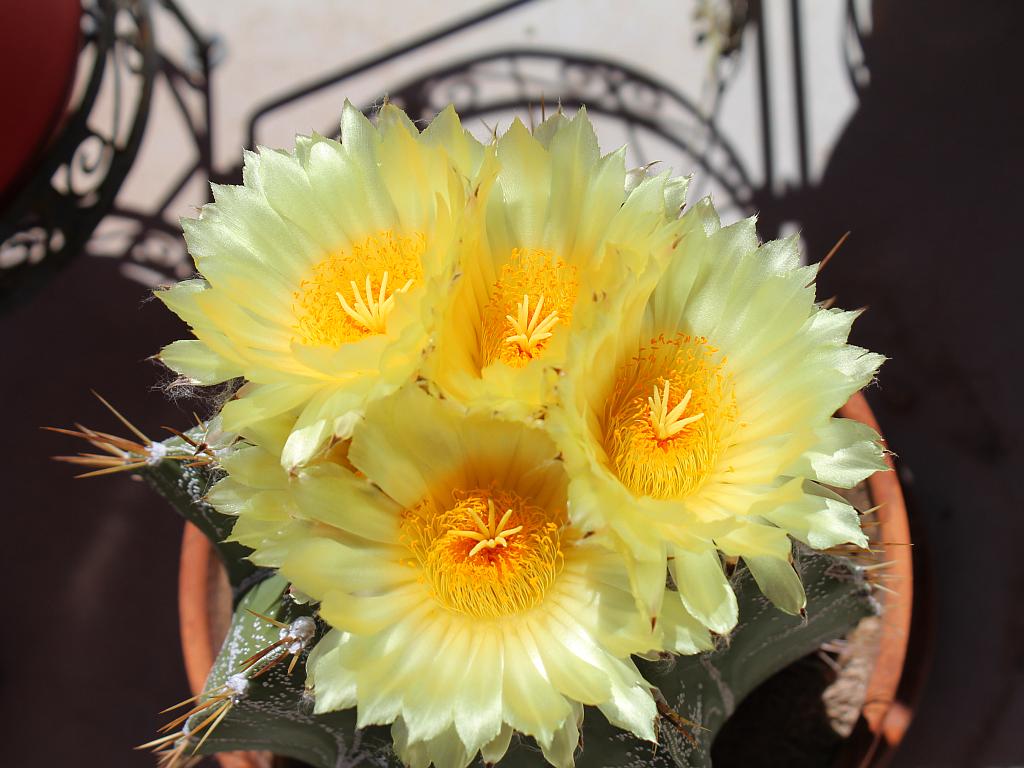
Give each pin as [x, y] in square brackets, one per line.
[511, 417]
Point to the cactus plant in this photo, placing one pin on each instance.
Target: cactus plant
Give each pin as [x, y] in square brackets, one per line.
[274, 712]
[522, 456]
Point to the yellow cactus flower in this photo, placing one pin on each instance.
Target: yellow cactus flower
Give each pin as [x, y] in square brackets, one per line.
[465, 605]
[698, 422]
[563, 225]
[319, 272]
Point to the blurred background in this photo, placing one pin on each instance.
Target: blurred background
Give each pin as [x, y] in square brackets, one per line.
[896, 121]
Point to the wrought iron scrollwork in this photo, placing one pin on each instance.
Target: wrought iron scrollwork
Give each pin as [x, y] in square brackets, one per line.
[650, 111]
[855, 44]
[78, 177]
[55, 216]
[147, 238]
[515, 81]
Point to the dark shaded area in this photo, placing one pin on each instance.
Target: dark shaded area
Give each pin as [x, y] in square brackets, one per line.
[927, 176]
[782, 723]
[90, 652]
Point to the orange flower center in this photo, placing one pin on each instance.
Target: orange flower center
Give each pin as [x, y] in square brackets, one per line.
[349, 295]
[670, 409]
[491, 554]
[530, 302]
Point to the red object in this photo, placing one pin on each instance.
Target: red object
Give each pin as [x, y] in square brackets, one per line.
[39, 47]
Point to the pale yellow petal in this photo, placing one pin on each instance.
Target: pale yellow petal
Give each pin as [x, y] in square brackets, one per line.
[704, 589]
[195, 360]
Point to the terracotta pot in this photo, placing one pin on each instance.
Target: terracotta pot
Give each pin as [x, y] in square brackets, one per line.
[886, 713]
[205, 612]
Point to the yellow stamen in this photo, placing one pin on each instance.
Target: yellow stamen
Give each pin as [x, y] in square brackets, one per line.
[517, 328]
[346, 298]
[482, 564]
[657, 450]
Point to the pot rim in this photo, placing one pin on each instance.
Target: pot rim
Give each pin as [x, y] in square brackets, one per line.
[887, 714]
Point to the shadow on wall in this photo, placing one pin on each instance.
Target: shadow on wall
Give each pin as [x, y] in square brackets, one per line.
[90, 566]
[928, 178]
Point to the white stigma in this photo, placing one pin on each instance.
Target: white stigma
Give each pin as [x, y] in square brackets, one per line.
[371, 311]
[668, 423]
[489, 535]
[530, 330]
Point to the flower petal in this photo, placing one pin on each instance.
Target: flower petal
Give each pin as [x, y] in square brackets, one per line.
[704, 589]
